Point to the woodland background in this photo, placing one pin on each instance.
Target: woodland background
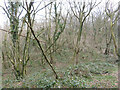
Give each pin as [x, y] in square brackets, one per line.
[73, 44]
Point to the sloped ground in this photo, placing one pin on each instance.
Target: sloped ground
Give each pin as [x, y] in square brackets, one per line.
[93, 71]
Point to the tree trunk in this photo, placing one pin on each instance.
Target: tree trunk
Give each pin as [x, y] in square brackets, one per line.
[119, 47]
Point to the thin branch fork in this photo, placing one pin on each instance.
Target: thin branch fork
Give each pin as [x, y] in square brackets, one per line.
[36, 11]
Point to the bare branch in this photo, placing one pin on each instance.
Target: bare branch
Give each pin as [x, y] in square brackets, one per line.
[43, 7]
[38, 5]
[91, 7]
[73, 11]
[5, 11]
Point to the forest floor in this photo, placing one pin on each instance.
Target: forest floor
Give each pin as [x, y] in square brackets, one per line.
[94, 70]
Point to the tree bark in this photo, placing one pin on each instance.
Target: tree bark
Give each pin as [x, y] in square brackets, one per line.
[119, 46]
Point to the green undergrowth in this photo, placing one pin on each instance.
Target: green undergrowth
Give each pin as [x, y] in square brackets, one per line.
[93, 71]
[83, 75]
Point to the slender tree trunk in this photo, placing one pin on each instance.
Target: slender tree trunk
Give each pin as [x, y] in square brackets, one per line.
[78, 43]
[107, 50]
[119, 46]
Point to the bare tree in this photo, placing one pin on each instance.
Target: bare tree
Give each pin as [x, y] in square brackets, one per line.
[81, 11]
[60, 24]
[13, 12]
[113, 16]
[30, 11]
